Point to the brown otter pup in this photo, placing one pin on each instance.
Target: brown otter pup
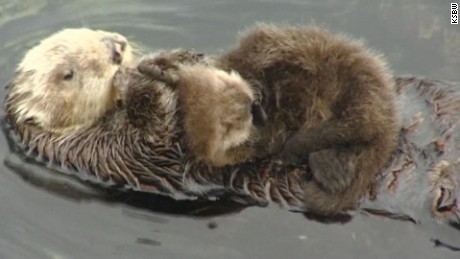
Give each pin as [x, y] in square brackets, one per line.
[330, 103]
[218, 137]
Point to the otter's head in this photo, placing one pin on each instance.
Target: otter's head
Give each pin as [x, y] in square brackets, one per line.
[65, 82]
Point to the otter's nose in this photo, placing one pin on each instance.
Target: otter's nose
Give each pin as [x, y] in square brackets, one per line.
[117, 47]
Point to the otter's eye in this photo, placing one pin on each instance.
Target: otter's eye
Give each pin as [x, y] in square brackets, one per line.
[68, 75]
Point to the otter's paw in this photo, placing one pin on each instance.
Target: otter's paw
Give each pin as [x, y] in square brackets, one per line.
[121, 79]
[333, 169]
[164, 66]
[159, 68]
[185, 57]
[321, 203]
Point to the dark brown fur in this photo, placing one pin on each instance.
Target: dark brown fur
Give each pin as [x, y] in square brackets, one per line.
[337, 99]
[329, 102]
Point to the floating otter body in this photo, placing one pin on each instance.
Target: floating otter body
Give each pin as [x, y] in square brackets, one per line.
[328, 96]
[136, 145]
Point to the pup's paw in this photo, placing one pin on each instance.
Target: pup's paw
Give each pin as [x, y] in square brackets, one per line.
[333, 169]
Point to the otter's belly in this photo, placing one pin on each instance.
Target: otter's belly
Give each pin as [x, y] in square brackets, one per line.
[422, 180]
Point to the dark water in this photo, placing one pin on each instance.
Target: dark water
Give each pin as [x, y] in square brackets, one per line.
[416, 36]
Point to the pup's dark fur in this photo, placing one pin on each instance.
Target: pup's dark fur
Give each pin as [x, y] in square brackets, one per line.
[329, 102]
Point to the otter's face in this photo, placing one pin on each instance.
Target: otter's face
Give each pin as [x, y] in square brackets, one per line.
[236, 103]
[66, 80]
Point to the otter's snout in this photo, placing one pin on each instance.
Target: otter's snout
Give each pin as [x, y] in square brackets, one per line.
[117, 47]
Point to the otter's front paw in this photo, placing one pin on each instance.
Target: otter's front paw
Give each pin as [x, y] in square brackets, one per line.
[123, 80]
[186, 57]
[334, 170]
[159, 68]
[164, 67]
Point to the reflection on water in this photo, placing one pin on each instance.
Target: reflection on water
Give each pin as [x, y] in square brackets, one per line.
[13, 10]
[415, 36]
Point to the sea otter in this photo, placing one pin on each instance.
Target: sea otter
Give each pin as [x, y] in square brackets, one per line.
[329, 100]
[136, 143]
[68, 106]
[64, 84]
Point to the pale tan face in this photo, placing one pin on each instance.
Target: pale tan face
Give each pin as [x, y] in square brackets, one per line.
[237, 99]
[66, 80]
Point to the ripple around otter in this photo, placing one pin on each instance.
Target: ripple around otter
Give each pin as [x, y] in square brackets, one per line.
[35, 223]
